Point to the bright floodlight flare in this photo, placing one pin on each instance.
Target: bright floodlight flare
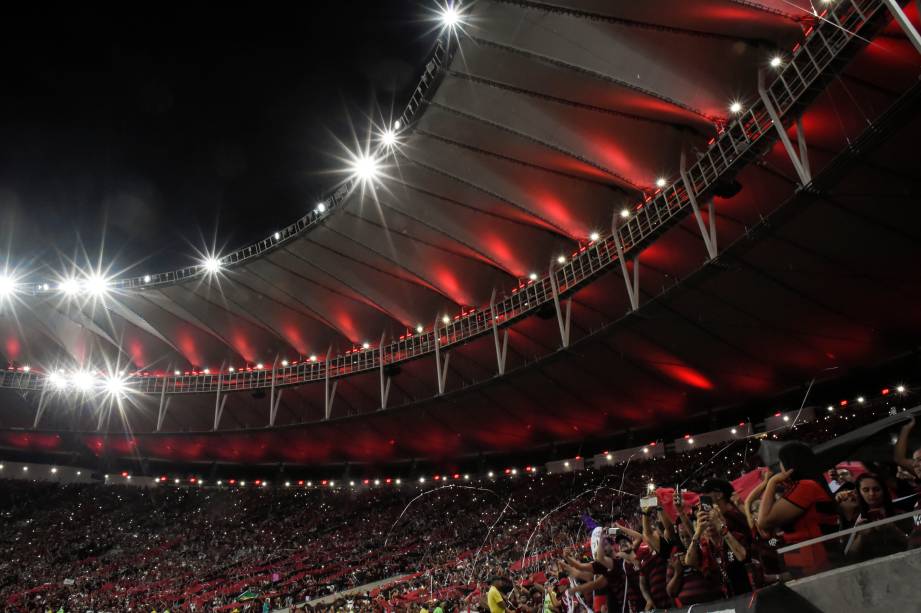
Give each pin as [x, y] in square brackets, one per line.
[660, 182]
[57, 380]
[594, 236]
[7, 285]
[115, 385]
[212, 264]
[776, 61]
[365, 167]
[321, 208]
[69, 286]
[96, 284]
[388, 138]
[450, 16]
[82, 380]
[735, 107]
[625, 213]
[561, 259]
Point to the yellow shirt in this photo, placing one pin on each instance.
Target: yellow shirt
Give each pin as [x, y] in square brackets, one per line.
[494, 599]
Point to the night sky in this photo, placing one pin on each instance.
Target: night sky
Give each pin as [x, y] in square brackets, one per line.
[154, 129]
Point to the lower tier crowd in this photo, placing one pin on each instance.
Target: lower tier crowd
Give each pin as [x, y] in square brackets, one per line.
[646, 534]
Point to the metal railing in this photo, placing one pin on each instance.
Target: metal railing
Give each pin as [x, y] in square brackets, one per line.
[794, 86]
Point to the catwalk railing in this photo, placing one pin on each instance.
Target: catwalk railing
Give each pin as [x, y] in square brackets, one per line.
[331, 201]
[795, 85]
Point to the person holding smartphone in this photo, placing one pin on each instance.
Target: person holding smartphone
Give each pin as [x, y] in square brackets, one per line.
[875, 503]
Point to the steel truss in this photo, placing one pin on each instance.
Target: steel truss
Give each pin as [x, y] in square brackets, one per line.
[748, 136]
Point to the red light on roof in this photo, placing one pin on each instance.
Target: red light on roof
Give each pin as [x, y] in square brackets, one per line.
[652, 444]
[777, 414]
[124, 473]
[324, 482]
[456, 476]
[741, 423]
[436, 477]
[388, 480]
[508, 471]
[258, 481]
[578, 457]
[366, 482]
[885, 391]
[843, 403]
[687, 436]
[193, 480]
[162, 479]
[300, 482]
[232, 482]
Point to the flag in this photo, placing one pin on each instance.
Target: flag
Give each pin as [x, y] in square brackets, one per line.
[248, 595]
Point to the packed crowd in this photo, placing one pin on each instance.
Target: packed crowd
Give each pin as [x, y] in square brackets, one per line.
[663, 532]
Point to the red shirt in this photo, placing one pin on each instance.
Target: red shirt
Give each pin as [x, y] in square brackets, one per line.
[819, 518]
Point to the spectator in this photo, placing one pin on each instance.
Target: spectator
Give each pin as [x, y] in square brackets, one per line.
[731, 537]
[875, 503]
[807, 504]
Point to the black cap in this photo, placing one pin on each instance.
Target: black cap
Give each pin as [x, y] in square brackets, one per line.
[718, 485]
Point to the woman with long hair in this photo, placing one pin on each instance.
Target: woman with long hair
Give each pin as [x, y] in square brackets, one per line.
[875, 503]
[805, 511]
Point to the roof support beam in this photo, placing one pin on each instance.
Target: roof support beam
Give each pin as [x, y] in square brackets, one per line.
[164, 406]
[800, 161]
[40, 410]
[902, 19]
[562, 318]
[708, 236]
[274, 400]
[104, 411]
[329, 393]
[385, 380]
[219, 403]
[632, 281]
[501, 348]
[441, 370]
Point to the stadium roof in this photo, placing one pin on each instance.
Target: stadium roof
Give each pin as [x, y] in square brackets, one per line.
[536, 128]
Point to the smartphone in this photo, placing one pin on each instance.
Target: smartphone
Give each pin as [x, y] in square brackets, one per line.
[648, 502]
[706, 503]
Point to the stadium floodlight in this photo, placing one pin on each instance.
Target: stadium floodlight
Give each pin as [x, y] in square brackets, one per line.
[533, 276]
[7, 285]
[561, 259]
[313, 358]
[69, 286]
[450, 17]
[146, 278]
[115, 384]
[365, 167]
[366, 345]
[277, 235]
[212, 265]
[57, 380]
[625, 213]
[661, 182]
[419, 328]
[82, 380]
[96, 285]
[900, 389]
[284, 362]
[735, 107]
[594, 236]
[776, 61]
[388, 138]
[445, 320]
[321, 208]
